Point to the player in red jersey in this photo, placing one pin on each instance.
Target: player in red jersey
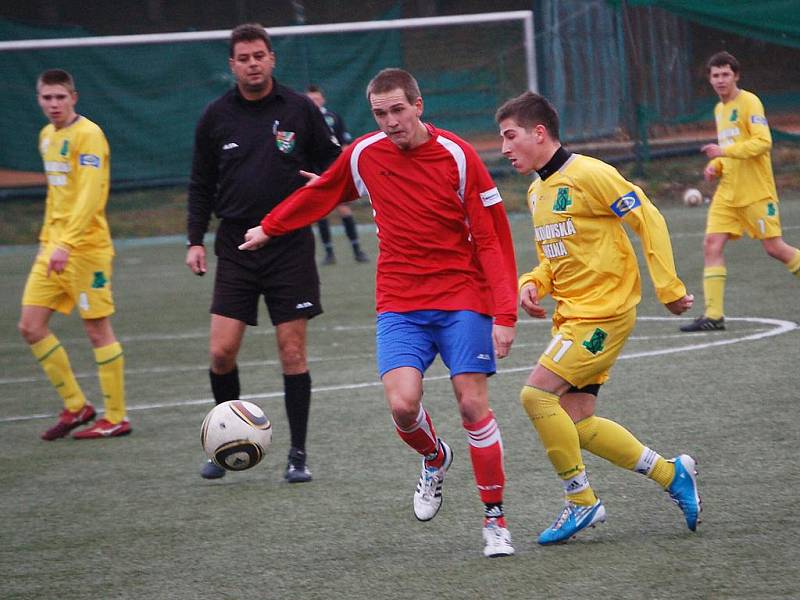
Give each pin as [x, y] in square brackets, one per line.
[446, 280]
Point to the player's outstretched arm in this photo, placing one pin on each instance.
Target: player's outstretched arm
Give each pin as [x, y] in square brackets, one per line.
[254, 238]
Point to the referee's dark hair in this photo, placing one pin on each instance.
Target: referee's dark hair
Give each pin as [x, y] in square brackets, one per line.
[249, 32]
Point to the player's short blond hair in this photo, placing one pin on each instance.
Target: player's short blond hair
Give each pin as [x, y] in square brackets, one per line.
[391, 79]
[56, 77]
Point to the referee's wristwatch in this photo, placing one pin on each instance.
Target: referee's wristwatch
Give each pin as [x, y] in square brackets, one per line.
[189, 244]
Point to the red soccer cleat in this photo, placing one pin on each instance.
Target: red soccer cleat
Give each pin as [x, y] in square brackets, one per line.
[67, 421]
[103, 428]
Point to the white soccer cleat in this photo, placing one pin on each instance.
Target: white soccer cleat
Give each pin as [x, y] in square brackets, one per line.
[497, 540]
[428, 495]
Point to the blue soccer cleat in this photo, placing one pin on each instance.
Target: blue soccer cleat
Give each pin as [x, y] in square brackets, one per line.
[683, 489]
[572, 519]
[212, 470]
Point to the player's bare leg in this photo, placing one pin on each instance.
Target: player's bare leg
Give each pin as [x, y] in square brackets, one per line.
[403, 390]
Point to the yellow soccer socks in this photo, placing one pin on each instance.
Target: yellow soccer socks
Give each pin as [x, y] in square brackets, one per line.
[559, 437]
[55, 362]
[111, 372]
[611, 441]
[794, 264]
[714, 291]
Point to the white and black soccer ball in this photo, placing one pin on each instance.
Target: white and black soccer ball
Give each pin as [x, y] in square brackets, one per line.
[236, 435]
[692, 197]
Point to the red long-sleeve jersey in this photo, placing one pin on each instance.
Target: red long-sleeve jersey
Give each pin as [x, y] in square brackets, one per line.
[443, 236]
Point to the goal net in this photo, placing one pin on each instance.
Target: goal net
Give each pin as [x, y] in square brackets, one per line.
[148, 91]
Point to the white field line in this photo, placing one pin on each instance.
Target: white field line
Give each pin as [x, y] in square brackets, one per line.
[778, 327]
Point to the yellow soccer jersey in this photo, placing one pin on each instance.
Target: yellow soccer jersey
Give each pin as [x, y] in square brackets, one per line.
[745, 169]
[586, 260]
[76, 163]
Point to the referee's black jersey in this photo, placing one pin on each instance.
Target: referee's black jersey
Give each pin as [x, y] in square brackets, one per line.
[247, 155]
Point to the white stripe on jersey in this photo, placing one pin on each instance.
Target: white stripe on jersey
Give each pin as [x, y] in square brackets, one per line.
[360, 147]
[461, 162]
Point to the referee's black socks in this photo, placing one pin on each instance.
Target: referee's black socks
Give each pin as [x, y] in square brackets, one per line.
[297, 398]
[225, 386]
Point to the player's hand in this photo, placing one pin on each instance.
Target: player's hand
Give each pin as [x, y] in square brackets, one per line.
[312, 177]
[196, 259]
[681, 305]
[254, 238]
[503, 337]
[710, 173]
[529, 301]
[711, 150]
[58, 261]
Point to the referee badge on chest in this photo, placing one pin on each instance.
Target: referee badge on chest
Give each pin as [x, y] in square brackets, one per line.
[284, 140]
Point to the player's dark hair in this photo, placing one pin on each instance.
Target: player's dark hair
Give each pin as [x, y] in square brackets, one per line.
[313, 87]
[720, 59]
[249, 32]
[529, 110]
[56, 77]
[388, 80]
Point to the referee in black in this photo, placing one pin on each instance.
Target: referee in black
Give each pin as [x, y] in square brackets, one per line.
[250, 146]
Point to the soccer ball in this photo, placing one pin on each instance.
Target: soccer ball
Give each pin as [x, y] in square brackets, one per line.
[692, 197]
[236, 434]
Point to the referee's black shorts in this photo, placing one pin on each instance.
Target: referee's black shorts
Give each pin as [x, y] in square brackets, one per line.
[284, 272]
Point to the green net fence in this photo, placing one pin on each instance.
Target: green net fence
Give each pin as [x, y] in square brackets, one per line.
[627, 71]
[148, 98]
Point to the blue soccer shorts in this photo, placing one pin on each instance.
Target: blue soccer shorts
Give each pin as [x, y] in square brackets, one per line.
[412, 339]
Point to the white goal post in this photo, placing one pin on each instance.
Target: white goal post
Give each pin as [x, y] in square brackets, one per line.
[525, 16]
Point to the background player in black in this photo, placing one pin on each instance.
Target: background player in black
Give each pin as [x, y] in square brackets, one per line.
[336, 125]
[250, 145]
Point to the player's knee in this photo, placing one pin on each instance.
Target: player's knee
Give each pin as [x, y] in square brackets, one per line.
[712, 247]
[404, 407]
[293, 359]
[537, 402]
[473, 407]
[404, 414]
[775, 248]
[222, 358]
[31, 332]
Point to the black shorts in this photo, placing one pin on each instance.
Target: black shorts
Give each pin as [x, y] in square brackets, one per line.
[284, 272]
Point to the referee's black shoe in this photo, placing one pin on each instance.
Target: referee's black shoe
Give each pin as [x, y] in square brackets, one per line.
[296, 468]
[705, 324]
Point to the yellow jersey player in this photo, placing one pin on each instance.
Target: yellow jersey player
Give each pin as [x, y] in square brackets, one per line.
[588, 265]
[73, 265]
[746, 199]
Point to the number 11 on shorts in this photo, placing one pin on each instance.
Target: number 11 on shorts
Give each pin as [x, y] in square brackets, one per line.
[562, 345]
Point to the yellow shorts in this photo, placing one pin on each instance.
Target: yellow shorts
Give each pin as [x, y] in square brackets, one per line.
[86, 282]
[583, 351]
[761, 220]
